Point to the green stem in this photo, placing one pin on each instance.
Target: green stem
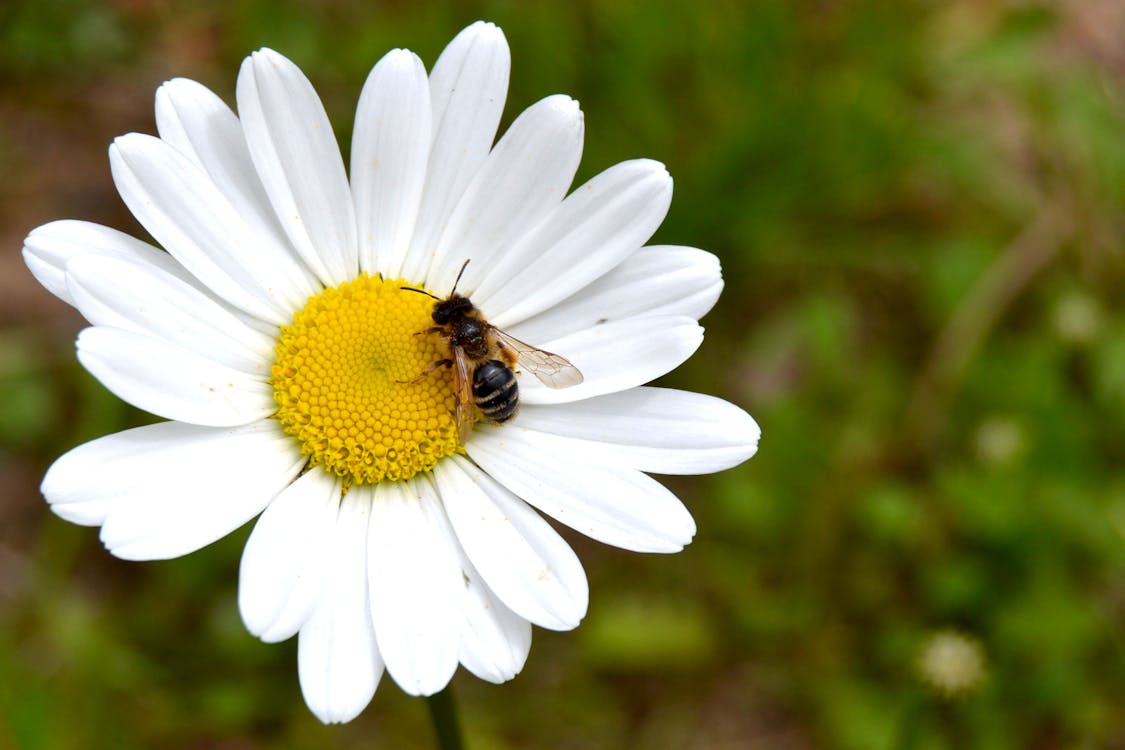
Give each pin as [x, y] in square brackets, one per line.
[911, 723]
[443, 714]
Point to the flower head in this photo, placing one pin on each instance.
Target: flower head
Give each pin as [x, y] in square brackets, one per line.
[281, 334]
[951, 663]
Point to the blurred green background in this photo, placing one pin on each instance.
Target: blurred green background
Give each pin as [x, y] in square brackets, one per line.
[920, 209]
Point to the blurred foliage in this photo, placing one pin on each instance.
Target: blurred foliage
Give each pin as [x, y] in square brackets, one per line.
[919, 208]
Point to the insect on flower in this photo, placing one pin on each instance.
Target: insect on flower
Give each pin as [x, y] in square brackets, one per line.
[272, 332]
[484, 357]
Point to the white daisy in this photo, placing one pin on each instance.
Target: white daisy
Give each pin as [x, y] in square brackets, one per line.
[276, 337]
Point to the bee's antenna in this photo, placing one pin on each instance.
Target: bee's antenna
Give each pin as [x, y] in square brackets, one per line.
[420, 291]
[458, 280]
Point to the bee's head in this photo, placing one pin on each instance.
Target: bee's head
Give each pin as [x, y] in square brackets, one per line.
[450, 308]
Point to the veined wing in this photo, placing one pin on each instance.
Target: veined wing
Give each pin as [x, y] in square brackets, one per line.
[464, 386]
[553, 370]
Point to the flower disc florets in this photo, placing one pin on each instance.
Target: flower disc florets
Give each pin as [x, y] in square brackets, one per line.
[347, 381]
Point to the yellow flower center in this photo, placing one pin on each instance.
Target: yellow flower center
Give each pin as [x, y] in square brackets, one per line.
[347, 382]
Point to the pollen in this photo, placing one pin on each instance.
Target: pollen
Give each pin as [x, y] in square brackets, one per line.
[355, 382]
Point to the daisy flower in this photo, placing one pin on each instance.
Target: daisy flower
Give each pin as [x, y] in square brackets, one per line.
[276, 334]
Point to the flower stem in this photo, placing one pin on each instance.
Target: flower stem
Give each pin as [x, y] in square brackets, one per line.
[443, 714]
[911, 723]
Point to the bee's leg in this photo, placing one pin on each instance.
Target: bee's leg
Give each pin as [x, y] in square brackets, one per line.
[433, 329]
[510, 356]
[428, 370]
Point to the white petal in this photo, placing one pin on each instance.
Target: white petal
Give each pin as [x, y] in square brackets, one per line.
[50, 247]
[141, 298]
[196, 122]
[416, 586]
[527, 174]
[467, 87]
[172, 382]
[84, 483]
[529, 566]
[281, 577]
[338, 662]
[622, 507]
[596, 228]
[299, 163]
[167, 489]
[390, 149]
[616, 356]
[183, 210]
[657, 280]
[494, 640]
[652, 429]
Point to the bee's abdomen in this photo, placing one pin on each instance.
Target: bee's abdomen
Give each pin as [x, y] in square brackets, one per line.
[495, 391]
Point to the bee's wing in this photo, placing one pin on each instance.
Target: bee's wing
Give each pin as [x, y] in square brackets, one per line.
[551, 369]
[464, 391]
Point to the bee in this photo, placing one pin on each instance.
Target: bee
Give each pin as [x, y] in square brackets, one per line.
[484, 358]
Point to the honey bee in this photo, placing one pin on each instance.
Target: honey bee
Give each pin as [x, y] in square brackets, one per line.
[484, 358]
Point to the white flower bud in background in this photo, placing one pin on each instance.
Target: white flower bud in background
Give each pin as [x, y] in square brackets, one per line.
[951, 663]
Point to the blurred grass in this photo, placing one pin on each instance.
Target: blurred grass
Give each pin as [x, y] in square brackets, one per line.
[919, 208]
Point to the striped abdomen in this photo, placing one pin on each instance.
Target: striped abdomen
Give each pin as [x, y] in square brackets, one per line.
[495, 391]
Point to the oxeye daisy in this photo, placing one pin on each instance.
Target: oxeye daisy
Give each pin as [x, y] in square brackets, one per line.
[285, 329]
